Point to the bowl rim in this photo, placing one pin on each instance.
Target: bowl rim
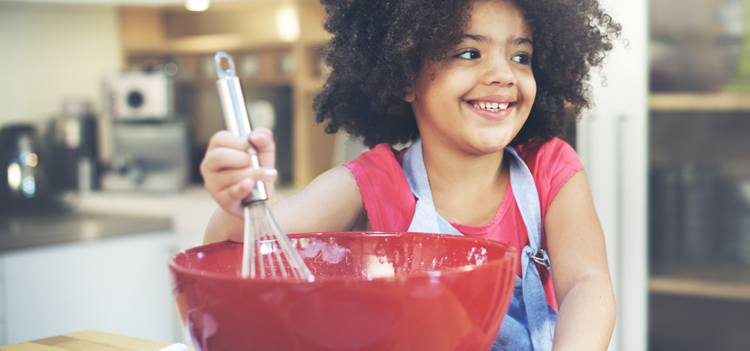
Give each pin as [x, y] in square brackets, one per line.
[510, 255]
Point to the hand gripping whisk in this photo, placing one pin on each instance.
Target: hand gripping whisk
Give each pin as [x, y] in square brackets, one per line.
[267, 251]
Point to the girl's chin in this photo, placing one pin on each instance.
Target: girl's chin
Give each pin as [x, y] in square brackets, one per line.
[474, 141]
[492, 142]
[487, 148]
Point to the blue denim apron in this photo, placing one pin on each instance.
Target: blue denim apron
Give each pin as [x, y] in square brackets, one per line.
[530, 322]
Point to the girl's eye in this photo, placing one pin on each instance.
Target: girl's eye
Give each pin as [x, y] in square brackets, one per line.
[523, 59]
[469, 55]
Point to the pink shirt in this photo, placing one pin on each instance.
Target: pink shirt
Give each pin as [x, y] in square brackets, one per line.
[390, 203]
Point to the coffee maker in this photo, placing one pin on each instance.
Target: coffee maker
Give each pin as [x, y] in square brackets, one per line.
[73, 143]
[23, 182]
[151, 144]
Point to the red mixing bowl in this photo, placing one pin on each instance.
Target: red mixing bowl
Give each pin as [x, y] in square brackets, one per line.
[372, 291]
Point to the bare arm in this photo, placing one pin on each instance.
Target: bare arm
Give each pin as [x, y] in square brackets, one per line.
[581, 277]
[331, 202]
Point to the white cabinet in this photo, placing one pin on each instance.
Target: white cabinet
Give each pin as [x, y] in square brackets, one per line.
[118, 285]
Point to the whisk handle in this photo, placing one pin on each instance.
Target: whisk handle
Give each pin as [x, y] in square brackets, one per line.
[236, 118]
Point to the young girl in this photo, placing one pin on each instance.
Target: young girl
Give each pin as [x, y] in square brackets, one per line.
[481, 89]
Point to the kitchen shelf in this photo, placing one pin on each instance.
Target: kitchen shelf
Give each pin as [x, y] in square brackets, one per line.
[247, 82]
[699, 288]
[311, 85]
[699, 102]
[228, 26]
[210, 43]
[203, 44]
[725, 282]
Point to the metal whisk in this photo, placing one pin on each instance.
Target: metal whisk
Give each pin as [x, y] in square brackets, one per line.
[267, 251]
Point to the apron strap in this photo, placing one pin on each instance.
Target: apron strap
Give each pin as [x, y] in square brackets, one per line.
[541, 327]
[427, 220]
[527, 198]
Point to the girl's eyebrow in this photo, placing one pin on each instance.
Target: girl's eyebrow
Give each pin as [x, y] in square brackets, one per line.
[520, 41]
[482, 38]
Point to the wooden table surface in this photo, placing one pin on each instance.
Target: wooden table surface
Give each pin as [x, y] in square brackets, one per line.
[86, 341]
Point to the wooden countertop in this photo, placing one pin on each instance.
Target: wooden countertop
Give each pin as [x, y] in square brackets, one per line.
[85, 341]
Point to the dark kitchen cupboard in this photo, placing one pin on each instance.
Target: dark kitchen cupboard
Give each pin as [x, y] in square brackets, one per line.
[699, 175]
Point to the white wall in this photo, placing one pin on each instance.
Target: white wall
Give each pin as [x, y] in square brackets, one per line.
[49, 52]
[612, 141]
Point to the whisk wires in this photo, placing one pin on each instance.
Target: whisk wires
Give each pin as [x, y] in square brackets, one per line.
[267, 251]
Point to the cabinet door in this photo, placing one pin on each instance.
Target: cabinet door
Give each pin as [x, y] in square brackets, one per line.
[118, 285]
[699, 163]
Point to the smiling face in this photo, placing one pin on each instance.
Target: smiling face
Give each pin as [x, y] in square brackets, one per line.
[478, 98]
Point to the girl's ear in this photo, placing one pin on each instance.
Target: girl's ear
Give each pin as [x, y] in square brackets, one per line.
[410, 95]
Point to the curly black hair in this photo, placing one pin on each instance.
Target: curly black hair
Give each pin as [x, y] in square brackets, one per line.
[379, 46]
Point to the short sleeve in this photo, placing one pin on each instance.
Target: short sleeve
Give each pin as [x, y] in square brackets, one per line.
[551, 163]
[385, 191]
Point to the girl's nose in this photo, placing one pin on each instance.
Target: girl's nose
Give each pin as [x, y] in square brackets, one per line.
[499, 72]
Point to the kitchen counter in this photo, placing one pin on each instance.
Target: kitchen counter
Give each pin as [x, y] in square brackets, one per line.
[27, 230]
[58, 264]
[86, 340]
[99, 260]
[190, 209]
[103, 214]
[77, 270]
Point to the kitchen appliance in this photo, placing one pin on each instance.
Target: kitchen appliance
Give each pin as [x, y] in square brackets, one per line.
[22, 178]
[73, 142]
[272, 107]
[372, 291]
[138, 96]
[151, 157]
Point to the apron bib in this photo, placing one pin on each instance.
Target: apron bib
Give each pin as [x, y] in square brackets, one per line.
[530, 322]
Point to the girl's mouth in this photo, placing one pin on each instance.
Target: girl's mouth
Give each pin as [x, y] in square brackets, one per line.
[491, 106]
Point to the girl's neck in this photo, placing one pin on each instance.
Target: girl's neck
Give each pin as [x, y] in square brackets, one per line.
[466, 188]
[457, 166]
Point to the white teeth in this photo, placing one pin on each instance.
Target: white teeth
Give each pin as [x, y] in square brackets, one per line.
[491, 106]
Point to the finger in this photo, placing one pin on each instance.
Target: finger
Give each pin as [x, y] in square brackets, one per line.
[223, 158]
[230, 199]
[224, 138]
[262, 139]
[242, 189]
[218, 181]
